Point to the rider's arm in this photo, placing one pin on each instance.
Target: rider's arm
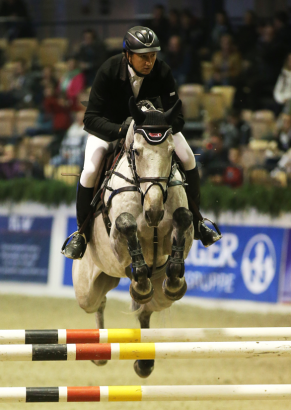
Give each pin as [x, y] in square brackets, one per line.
[169, 96]
[94, 121]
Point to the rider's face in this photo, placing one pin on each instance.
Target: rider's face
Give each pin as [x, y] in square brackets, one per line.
[143, 63]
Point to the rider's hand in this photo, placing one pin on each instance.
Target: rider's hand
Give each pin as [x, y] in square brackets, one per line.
[124, 127]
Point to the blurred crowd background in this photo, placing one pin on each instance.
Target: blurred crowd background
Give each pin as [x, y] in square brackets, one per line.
[233, 76]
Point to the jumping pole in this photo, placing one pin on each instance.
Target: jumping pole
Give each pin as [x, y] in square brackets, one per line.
[145, 351]
[63, 336]
[144, 393]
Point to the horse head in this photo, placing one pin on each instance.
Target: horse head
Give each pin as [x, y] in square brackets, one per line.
[151, 148]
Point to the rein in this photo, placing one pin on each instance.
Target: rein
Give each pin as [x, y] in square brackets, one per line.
[135, 187]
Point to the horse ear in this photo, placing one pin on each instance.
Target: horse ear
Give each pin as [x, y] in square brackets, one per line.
[172, 113]
[135, 112]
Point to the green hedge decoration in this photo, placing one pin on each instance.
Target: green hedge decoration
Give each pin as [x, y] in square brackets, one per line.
[267, 200]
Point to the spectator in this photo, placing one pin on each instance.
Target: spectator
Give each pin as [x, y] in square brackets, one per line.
[233, 174]
[90, 55]
[73, 81]
[214, 159]
[191, 31]
[282, 30]
[174, 23]
[10, 167]
[247, 35]
[226, 63]
[178, 59]
[45, 79]
[159, 24]
[60, 108]
[284, 134]
[72, 149]
[282, 91]
[266, 68]
[221, 27]
[20, 93]
[235, 131]
[19, 24]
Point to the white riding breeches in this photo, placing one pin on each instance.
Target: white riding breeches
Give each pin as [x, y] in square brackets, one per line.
[96, 148]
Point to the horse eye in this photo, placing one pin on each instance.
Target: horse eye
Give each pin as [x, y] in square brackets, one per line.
[136, 152]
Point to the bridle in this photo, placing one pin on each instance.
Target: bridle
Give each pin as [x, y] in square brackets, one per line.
[137, 180]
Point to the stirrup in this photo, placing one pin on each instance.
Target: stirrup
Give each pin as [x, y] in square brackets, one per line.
[69, 237]
[219, 234]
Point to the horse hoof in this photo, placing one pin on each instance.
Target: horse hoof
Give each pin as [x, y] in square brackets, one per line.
[144, 368]
[140, 298]
[171, 294]
[99, 362]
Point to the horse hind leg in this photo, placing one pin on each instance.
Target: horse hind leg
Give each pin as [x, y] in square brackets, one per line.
[143, 368]
[175, 286]
[141, 289]
[99, 317]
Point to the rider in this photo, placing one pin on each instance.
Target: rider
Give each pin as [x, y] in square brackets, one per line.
[136, 72]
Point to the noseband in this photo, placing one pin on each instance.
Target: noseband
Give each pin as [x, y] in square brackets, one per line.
[155, 181]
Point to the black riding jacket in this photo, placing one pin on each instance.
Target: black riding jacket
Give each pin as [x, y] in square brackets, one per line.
[111, 91]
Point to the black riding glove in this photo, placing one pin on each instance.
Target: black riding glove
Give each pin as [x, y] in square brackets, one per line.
[124, 127]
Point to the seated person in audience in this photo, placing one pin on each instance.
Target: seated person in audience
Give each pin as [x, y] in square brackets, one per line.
[282, 90]
[179, 59]
[214, 158]
[262, 75]
[221, 27]
[46, 78]
[191, 31]
[91, 55]
[247, 35]
[19, 25]
[73, 81]
[72, 149]
[284, 164]
[21, 90]
[284, 134]
[235, 130]
[233, 174]
[10, 166]
[159, 24]
[227, 63]
[174, 23]
[58, 105]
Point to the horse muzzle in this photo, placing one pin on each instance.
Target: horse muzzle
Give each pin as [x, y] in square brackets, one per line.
[153, 218]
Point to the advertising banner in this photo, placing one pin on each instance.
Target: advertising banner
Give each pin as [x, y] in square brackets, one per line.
[286, 279]
[67, 280]
[24, 248]
[245, 264]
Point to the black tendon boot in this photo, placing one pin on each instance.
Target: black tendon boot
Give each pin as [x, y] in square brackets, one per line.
[206, 235]
[77, 247]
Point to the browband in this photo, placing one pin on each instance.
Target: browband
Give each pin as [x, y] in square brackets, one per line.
[154, 134]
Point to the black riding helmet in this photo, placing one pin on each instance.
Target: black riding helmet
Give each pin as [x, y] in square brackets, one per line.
[140, 40]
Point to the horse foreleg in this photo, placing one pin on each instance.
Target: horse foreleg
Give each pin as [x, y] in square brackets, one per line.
[141, 289]
[99, 317]
[175, 286]
[143, 368]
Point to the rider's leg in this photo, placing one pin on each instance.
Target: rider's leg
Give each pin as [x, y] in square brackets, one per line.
[95, 151]
[186, 156]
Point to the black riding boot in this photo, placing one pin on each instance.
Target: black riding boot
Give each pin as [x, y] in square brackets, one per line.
[206, 235]
[77, 247]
